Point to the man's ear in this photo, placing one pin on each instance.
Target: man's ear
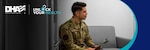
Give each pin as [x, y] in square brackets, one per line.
[77, 13]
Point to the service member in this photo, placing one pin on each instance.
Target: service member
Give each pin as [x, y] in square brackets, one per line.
[74, 33]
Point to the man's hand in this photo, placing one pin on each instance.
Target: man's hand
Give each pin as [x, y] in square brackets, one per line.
[90, 49]
[97, 47]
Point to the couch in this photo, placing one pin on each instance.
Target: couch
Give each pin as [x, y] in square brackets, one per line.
[100, 33]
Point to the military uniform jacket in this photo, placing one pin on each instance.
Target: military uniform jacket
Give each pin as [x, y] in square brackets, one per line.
[75, 36]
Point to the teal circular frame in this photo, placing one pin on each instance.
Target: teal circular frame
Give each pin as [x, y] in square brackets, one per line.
[126, 47]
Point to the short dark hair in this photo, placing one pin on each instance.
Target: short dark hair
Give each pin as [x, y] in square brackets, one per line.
[77, 6]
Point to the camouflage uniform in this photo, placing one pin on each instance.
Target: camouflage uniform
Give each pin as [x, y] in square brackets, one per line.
[75, 36]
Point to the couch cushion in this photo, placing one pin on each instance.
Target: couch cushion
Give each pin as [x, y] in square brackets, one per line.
[100, 33]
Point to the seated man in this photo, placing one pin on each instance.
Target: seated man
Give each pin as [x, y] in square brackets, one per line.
[74, 33]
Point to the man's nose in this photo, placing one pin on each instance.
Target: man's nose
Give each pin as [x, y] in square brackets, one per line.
[86, 14]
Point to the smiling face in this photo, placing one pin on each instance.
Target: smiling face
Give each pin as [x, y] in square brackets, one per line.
[82, 14]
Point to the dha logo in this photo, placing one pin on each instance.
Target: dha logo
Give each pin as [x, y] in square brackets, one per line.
[44, 10]
[15, 9]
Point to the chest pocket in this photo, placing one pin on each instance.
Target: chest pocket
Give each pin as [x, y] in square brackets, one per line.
[81, 33]
[75, 35]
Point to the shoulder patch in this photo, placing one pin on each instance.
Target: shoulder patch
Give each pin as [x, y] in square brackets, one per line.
[65, 37]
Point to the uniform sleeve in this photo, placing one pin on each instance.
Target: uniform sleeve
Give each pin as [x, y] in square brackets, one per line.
[67, 39]
[88, 39]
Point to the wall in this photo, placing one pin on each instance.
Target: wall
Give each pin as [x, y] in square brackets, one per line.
[103, 13]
